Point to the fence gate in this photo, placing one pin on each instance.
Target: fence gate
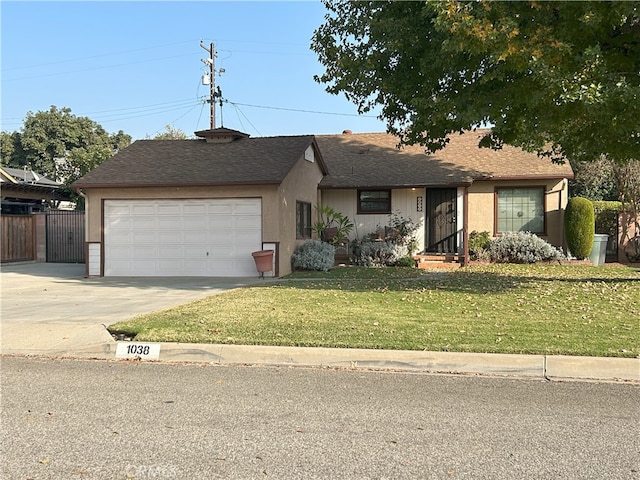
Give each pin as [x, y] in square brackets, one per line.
[65, 237]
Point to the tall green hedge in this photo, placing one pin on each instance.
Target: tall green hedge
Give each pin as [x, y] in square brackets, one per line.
[607, 217]
[579, 225]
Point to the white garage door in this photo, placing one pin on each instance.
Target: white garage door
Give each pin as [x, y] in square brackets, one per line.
[210, 237]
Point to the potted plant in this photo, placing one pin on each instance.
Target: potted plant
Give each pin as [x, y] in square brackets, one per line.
[332, 226]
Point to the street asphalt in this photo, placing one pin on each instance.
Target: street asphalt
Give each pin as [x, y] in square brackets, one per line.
[50, 309]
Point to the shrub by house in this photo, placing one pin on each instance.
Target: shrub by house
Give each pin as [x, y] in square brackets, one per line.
[579, 224]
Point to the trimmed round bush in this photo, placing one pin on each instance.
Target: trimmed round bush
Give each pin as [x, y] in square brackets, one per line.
[579, 226]
[313, 255]
[522, 247]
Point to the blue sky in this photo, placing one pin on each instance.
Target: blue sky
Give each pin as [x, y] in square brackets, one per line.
[136, 66]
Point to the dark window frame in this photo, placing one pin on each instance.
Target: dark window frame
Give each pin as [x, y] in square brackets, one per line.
[367, 211]
[541, 188]
[303, 220]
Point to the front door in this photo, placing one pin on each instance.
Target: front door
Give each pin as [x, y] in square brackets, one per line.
[441, 234]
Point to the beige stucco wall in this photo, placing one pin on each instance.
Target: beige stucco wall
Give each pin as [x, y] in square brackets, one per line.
[482, 206]
[278, 205]
[404, 201]
[301, 185]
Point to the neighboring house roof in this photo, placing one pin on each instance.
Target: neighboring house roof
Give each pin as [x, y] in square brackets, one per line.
[22, 176]
[361, 160]
[20, 183]
[239, 161]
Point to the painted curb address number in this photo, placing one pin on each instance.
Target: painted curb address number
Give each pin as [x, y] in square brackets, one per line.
[143, 351]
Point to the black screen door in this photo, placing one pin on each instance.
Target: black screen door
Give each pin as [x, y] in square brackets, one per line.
[441, 231]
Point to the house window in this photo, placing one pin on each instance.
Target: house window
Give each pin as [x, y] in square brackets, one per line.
[520, 210]
[374, 201]
[303, 220]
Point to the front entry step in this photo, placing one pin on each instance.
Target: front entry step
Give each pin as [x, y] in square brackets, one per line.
[437, 261]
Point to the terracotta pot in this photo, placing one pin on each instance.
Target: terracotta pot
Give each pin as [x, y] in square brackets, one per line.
[264, 260]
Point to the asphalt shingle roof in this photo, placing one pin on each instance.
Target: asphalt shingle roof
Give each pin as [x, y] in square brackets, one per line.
[265, 160]
[373, 160]
[356, 160]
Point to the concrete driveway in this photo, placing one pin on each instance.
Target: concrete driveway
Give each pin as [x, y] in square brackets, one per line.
[52, 307]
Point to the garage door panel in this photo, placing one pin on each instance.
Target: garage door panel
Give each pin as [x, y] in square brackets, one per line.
[120, 250]
[168, 208]
[195, 269]
[117, 266]
[248, 208]
[147, 236]
[169, 222]
[146, 222]
[199, 238]
[245, 222]
[195, 209]
[220, 221]
[148, 266]
[244, 235]
[195, 252]
[111, 210]
[221, 208]
[169, 237]
[121, 237]
[213, 237]
[144, 251]
[193, 222]
[142, 209]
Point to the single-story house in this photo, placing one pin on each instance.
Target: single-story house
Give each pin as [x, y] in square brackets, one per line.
[200, 207]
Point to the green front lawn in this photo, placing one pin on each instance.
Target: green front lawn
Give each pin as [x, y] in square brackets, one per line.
[538, 309]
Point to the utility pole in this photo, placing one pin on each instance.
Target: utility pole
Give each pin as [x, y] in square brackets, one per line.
[210, 79]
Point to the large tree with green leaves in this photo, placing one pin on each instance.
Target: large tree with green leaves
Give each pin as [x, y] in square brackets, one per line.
[561, 79]
[170, 133]
[59, 144]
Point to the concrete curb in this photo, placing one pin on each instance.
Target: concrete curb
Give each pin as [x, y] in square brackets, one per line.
[504, 365]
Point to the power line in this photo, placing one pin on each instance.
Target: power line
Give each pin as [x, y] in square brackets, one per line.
[89, 69]
[154, 106]
[80, 59]
[127, 113]
[302, 111]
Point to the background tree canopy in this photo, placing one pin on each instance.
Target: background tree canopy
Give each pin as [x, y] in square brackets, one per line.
[561, 79]
[171, 133]
[60, 145]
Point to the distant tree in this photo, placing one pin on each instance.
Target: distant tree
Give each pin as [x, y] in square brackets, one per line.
[11, 154]
[171, 133]
[557, 78]
[594, 180]
[60, 145]
[628, 184]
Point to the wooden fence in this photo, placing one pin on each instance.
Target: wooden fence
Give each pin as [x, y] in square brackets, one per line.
[18, 238]
[56, 236]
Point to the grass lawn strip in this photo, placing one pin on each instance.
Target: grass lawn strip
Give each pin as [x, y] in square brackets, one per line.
[534, 309]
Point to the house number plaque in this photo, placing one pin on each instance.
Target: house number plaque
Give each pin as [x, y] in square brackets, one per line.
[133, 350]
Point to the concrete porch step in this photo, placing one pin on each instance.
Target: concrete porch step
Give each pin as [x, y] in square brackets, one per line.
[437, 261]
